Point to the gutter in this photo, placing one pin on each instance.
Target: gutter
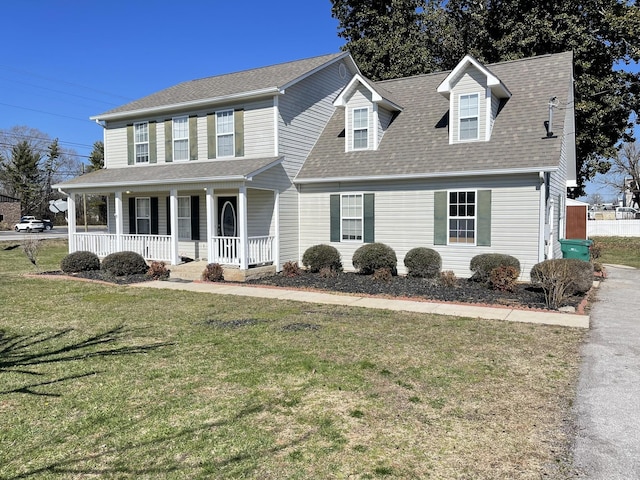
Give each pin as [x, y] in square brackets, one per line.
[419, 176]
[187, 105]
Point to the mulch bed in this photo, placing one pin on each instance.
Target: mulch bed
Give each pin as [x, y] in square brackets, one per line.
[468, 291]
[525, 295]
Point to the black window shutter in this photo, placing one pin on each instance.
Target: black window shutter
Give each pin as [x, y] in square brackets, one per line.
[132, 216]
[368, 233]
[440, 218]
[334, 207]
[154, 216]
[168, 215]
[195, 217]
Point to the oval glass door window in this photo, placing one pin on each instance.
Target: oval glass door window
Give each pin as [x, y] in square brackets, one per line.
[228, 220]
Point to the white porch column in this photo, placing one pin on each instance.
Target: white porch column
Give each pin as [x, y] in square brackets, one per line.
[242, 224]
[71, 221]
[210, 224]
[119, 221]
[276, 227]
[173, 213]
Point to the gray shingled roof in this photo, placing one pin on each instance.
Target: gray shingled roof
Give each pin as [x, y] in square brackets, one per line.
[274, 76]
[417, 142]
[189, 172]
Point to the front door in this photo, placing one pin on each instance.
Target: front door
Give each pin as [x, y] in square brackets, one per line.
[227, 217]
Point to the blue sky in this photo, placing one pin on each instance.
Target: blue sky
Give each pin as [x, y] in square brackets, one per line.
[66, 60]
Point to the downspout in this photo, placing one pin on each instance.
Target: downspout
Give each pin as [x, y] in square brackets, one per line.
[541, 218]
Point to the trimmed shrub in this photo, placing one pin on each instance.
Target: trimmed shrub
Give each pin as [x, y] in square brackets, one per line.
[448, 279]
[503, 279]
[81, 261]
[423, 262]
[595, 251]
[372, 256]
[481, 265]
[121, 264]
[291, 269]
[213, 272]
[562, 277]
[158, 271]
[382, 275]
[322, 256]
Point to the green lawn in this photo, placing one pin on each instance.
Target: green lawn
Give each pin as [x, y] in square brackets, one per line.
[619, 250]
[120, 382]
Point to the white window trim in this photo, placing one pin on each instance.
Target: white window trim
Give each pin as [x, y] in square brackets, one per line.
[184, 218]
[233, 134]
[461, 117]
[138, 217]
[136, 143]
[353, 128]
[361, 218]
[174, 138]
[474, 217]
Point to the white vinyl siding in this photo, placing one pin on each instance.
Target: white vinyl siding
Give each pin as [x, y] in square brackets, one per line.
[225, 134]
[181, 138]
[472, 82]
[141, 142]
[514, 219]
[359, 135]
[303, 114]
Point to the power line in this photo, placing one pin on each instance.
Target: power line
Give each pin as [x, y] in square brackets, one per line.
[46, 113]
[44, 139]
[44, 150]
[7, 67]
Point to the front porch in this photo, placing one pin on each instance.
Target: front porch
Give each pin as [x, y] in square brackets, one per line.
[229, 251]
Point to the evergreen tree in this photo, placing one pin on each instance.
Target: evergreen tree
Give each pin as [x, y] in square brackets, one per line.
[22, 176]
[96, 158]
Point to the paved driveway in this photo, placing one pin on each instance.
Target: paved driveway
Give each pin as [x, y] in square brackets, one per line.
[607, 406]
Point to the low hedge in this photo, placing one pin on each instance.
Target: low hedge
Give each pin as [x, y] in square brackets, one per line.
[561, 278]
[482, 265]
[81, 261]
[322, 256]
[125, 263]
[374, 256]
[423, 262]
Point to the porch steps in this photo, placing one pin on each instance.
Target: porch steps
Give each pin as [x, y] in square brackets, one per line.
[192, 271]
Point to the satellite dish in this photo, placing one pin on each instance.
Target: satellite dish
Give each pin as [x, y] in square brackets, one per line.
[58, 206]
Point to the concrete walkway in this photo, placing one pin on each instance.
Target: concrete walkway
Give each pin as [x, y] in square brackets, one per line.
[472, 311]
[607, 407]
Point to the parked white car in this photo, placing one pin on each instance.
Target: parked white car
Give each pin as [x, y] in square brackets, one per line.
[625, 213]
[30, 225]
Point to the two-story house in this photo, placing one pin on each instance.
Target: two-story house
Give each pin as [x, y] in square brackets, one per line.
[254, 167]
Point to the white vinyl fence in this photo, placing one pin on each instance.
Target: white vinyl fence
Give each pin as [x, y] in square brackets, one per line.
[613, 228]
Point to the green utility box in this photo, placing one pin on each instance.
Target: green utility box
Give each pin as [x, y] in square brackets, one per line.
[576, 249]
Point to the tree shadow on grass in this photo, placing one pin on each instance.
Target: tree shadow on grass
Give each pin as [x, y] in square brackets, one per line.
[20, 352]
[74, 466]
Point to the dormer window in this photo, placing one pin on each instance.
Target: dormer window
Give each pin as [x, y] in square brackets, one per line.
[360, 128]
[141, 142]
[468, 115]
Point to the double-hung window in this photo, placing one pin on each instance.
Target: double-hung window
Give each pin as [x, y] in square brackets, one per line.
[351, 216]
[360, 128]
[462, 217]
[469, 114]
[143, 215]
[184, 218]
[181, 138]
[141, 142]
[225, 133]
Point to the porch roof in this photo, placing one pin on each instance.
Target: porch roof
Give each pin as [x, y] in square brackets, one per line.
[181, 173]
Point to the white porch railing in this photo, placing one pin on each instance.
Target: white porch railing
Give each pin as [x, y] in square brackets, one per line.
[613, 228]
[227, 250]
[151, 247]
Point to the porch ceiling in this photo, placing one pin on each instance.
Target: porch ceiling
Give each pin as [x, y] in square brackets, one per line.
[189, 172]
